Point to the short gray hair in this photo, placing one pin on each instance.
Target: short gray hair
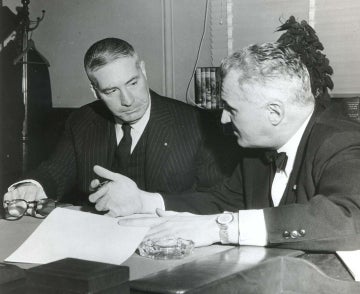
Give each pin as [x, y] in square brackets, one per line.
[105, 51]
[268, 64]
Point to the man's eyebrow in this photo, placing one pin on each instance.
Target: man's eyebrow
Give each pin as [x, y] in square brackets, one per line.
[106, 89]
[113, 87]
[132, 79]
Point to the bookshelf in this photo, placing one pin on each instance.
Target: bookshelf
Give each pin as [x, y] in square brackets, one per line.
[208, 88]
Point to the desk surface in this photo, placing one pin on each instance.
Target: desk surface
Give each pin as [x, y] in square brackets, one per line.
[205, 259]
[14, 233]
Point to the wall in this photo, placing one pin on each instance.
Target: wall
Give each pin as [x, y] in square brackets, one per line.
[188, 20]
[167, 33]
[337, 24]
[71, 26]
[338, 27]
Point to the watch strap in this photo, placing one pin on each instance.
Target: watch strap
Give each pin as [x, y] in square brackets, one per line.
[224, 227]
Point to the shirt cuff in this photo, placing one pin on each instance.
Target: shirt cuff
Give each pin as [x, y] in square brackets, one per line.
[151, 201]
[252, 227]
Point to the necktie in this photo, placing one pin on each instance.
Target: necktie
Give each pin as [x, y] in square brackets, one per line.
[277, 163]
[278, 160]
[122, 154]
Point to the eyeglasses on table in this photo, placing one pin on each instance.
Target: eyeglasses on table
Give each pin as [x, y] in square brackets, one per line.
[17, 208]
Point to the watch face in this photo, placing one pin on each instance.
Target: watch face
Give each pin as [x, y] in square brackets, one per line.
[225, 218]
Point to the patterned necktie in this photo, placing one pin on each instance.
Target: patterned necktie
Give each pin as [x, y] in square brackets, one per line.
[122, 153]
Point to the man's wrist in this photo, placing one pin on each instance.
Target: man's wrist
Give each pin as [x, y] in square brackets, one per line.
[228, 228]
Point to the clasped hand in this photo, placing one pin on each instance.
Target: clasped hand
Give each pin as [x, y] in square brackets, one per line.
[120, 196]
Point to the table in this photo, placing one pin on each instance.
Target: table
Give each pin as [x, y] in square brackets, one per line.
[210, 269]
[14, 233]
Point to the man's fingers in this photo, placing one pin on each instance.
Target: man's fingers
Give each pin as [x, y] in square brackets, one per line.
[8, 196]
[94, 184]
[40, 194]
[111, 214]
[26, 192]
[141, 222]
[13, 194]
[139, 216]
[101, 204]
[105, 173]
[165, 229]
[94, 197]
[158, 233]
[163, 213]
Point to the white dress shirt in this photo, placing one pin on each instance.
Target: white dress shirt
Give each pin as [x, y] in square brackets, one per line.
[254, 218]
[136, 130]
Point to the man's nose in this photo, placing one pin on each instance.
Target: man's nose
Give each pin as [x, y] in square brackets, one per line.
[126, 99]
[225, 117]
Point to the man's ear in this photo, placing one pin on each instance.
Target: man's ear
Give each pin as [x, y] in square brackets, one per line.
[92, 89]
[142, 67]
[276, 112]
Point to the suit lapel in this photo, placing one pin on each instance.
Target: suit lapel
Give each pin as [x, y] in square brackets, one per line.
[257, 193]
[159, 139]
[256, 180]
[291, 188]
[101, 138]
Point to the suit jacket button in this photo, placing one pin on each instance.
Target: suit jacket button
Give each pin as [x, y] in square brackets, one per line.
[294, 234]
[286, 234]
[302, 232]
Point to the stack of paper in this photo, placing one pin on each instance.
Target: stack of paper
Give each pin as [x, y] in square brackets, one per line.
[69, 233]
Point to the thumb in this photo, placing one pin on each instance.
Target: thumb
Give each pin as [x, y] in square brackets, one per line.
[94, 184]
[163, 213]
[105, 173]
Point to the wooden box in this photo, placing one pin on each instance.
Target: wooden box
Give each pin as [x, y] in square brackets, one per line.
[72, 275]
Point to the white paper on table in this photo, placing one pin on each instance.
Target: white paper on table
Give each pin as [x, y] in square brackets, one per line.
[352, 262]
[69, 233]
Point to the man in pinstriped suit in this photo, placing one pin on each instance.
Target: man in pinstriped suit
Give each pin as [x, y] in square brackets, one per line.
[169, 150]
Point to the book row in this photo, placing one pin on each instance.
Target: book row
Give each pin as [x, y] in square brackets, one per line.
[208, 88]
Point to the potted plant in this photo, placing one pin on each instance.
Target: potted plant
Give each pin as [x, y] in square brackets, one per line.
[302, 38]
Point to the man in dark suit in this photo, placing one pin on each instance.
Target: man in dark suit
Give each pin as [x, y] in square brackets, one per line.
[156, 141]
[297, 183]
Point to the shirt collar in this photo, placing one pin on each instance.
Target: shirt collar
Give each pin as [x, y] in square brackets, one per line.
[291, 146]
[142, 122]
[140, 125]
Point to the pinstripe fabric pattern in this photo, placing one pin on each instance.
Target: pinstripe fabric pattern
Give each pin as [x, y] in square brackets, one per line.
[175, 158]
[136, 168]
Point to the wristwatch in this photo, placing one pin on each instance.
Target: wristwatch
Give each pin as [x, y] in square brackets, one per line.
[223, 221]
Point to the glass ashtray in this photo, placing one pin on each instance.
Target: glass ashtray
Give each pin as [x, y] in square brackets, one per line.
[166, 248]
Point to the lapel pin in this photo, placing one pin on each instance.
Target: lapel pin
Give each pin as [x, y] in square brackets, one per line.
[294, 188]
